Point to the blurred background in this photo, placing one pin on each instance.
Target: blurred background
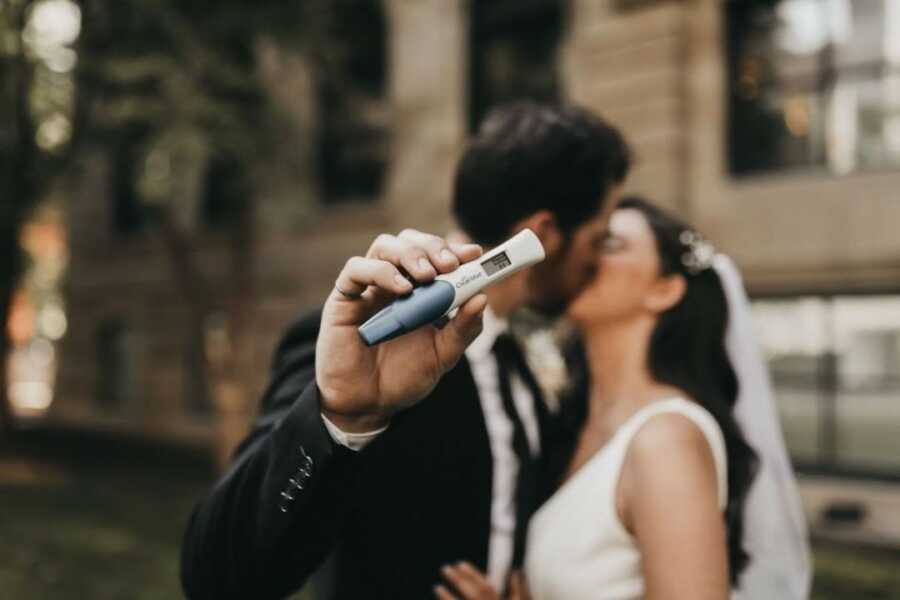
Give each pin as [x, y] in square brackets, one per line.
[180, 179]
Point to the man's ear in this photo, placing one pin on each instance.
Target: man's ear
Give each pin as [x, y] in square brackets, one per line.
[543, 223]
[666, 293]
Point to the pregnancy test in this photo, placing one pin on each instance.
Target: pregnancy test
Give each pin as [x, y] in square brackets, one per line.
[437, 299]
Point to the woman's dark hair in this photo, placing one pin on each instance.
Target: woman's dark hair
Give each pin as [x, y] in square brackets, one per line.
[529, 157]
[687, 351]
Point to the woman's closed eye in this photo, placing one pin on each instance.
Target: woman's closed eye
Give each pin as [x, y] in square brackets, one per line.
[612, 243]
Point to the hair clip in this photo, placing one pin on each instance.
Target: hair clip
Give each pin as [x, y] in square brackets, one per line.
[700, 254]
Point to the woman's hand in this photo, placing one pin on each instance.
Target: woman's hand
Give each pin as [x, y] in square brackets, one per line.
[471, 584]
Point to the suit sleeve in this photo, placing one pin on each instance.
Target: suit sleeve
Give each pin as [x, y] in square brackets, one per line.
[272, 518]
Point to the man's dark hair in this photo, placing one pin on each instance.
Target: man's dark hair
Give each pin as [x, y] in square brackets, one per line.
[528, 157]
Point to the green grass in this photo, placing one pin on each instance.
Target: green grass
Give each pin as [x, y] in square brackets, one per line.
[848, 573]
[104, 527]
[98, 520]
[90, 540]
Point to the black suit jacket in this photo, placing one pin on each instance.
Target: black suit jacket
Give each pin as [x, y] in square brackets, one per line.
[416, 498]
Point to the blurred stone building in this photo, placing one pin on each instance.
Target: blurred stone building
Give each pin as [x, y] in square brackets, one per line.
[774, 127]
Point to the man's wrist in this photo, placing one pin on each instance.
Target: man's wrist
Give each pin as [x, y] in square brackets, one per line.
[358, 421]
[353, 441]
[366, 423]
[351, 431]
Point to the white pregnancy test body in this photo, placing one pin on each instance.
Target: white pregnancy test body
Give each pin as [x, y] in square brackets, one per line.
[519, 252]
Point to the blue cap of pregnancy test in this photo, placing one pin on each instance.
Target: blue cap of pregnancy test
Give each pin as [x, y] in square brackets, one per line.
[424, 305]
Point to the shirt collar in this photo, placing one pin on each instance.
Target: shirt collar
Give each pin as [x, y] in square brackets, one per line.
[492, 327]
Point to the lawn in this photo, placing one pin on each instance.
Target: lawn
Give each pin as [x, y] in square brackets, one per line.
[107, 525]
[848, 573]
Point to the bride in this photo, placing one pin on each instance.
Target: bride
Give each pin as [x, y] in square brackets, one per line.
[647, 483]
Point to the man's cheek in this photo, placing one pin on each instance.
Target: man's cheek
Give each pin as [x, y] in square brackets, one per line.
[592, 268]
[587, 276]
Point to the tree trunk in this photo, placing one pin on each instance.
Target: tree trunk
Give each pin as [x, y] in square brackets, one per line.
[234, 375]
[11, 217]
[6, 422]
[226, 356]
[18, 176]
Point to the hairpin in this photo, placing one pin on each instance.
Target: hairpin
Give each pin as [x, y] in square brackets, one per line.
[700, 254]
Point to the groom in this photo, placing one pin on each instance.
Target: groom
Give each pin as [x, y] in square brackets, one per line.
[399, 459]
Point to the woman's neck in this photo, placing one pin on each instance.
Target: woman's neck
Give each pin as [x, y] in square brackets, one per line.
[621, 382]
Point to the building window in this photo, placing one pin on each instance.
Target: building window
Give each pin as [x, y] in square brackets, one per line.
[196, 386]
[224, 192]
[353, 135]
[813, 84]
[513, 53]
[835, 363]
[128, 215]
[116, 365]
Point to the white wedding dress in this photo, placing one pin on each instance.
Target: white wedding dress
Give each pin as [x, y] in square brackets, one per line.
[577, 547]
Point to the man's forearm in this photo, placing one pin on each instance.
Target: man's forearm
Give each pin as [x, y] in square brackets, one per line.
[271, 519]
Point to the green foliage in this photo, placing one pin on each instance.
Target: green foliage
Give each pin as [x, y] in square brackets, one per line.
[178, 81]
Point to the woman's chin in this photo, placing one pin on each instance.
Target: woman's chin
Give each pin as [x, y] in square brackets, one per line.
[575, 313]
[586, 313]
[583, 307]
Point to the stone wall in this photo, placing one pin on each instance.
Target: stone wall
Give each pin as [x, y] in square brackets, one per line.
[628, 66]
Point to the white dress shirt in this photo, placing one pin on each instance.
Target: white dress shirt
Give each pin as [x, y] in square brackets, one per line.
[483, 364]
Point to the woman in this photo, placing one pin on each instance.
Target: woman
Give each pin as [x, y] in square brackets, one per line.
[652, 475]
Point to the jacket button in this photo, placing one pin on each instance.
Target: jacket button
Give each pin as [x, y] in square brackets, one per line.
[306, 457]
[286, 495]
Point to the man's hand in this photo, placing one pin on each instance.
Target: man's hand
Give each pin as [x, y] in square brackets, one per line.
[362, 387]
[468, 583]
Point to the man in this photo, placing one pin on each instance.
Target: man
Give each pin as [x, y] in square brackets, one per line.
[398, 459]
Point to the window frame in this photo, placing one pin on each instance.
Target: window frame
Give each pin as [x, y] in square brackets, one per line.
[820, 81]
[827, 463]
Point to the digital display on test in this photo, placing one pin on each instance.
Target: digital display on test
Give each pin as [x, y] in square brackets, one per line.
[496, 263]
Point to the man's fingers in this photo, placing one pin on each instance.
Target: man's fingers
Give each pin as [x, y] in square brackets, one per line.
[445, 257]
[517, 588]
[443, 593]
[465, 251]
[422, 255]
[359, 273]
[438, 252]
[476, 577]
[452, 340]
[462, 582]
[471, 571]
[403, 253]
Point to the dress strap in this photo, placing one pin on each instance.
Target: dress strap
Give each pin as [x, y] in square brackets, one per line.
[700, 417]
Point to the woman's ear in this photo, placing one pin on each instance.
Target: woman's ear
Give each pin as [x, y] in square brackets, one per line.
[666, 293]
[543, 223]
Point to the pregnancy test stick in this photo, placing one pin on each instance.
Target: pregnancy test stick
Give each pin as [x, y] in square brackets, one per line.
[435, 300]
